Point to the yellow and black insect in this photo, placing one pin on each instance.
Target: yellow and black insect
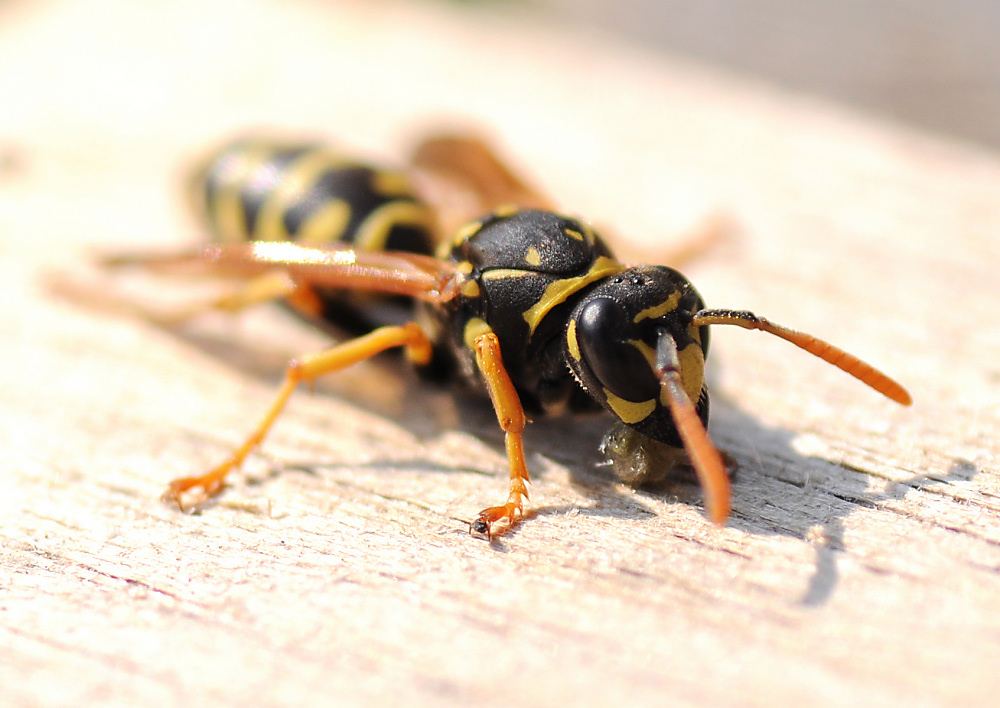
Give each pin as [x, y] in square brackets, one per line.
[500, 292]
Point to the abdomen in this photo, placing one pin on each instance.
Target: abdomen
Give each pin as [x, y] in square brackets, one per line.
[272, 190]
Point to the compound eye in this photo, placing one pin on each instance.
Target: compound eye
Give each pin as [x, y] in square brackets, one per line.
[603, 333]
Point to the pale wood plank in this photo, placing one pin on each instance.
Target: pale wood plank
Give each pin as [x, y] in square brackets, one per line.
[860, 565]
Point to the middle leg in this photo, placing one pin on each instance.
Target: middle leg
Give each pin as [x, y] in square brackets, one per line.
[308, 369]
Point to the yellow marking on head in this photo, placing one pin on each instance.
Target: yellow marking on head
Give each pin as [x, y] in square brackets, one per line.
[470, 288]
[373, 232]
[466, 232]
[692, 362]
[647, 352]
[532, 257]
[326, 224]
[391, 184]
[692, 369]
[571, 342]
[296, 179]
[560, 290]
[668, 305]
[474, 329]
[695, 332]
[464, 268]
[572, 233]
[629, 411]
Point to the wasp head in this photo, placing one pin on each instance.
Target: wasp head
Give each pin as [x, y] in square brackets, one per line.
[635, 346]
[627, 334]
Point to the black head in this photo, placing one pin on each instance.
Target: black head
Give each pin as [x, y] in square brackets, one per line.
[634, 344]
[622, 335]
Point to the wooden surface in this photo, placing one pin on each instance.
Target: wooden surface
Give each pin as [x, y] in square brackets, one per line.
[860, 566]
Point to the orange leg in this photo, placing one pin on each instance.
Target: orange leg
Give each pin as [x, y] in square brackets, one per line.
[308, 369]
[258, 289]
[684, 247]
[276, 285]
[510, 414]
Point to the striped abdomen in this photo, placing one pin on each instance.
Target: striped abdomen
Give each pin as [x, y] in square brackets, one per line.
[266, 190]
[260, 190]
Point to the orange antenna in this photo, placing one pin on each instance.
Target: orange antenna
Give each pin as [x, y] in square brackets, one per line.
[864, 372]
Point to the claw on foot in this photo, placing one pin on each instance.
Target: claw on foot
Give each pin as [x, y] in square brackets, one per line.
[507, 515]
[210, 484]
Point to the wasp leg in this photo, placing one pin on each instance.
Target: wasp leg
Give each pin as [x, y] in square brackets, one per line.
[688, 246]
[256, 291]
[261, 289]
[510, 414]
[308, 369]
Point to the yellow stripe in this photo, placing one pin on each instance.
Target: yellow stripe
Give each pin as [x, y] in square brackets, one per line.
[391, 184]
[571, 342]
[374, 230]
[692, 363]
[226, 208]
[692, 360]
[326, 224]
[692, 370]
[560, 290]
[647, 352]
[501, 273]
[297, 178]
[228, 216]
[629, 411]
[466, 232]
[668, 305]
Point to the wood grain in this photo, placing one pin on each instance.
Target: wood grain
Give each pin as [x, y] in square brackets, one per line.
[861, 563]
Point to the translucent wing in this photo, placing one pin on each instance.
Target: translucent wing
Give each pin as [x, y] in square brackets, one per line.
[421, 277]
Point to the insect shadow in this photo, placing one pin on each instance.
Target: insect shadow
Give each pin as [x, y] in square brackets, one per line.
[781, 491]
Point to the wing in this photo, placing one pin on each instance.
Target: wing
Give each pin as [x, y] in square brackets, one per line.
[462, 178]
[414, 275]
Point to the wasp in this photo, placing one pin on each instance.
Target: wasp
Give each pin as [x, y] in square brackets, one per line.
[497, 290]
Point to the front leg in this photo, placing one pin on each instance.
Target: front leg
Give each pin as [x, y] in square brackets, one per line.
[510, 414]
